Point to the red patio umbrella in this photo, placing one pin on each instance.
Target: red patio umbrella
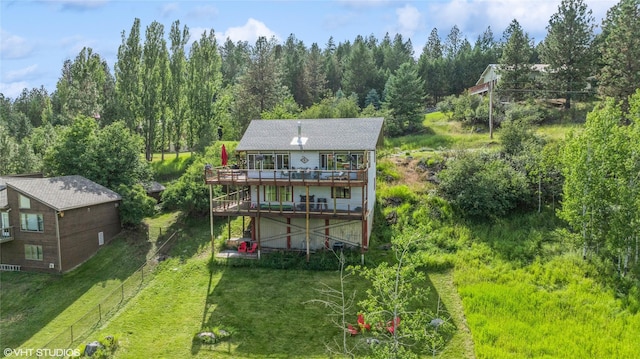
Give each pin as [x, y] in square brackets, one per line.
[224, 156]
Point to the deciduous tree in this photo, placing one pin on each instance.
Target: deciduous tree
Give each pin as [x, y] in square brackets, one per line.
[177, 95]
[153, 70]
[127, 73]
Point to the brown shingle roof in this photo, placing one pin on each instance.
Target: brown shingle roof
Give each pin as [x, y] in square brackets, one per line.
[63, 193]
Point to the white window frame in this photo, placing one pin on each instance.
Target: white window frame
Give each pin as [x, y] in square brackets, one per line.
[278, 194]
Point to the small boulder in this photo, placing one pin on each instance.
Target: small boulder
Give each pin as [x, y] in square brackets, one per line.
[92, 348]
[207, 337]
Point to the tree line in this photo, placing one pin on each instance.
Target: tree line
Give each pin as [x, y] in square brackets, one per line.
[177, 96]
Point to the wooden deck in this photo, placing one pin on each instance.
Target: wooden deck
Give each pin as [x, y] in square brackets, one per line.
[244, 177]
[322, 210]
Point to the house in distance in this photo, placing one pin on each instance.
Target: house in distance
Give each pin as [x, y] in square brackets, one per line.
[54, 224]
[304, 184]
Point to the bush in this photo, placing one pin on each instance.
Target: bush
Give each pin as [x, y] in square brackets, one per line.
[136, 205]
[189, 193]
[483, 186]
[529, 113]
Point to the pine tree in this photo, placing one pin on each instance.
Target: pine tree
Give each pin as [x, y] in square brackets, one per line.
[515, 63]
[567, 48]
[620, 49]
[404, 99]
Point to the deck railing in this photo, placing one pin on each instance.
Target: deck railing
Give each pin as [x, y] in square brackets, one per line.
[6, 234]
[241, 202]
[302, 176]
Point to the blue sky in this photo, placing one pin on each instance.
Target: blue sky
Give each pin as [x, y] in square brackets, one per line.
[38, 36]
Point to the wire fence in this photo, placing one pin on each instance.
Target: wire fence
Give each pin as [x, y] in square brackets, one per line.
[71, 336]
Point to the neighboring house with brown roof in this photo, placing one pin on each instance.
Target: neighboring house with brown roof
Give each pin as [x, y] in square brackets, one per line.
[305, 184]
[54, 224]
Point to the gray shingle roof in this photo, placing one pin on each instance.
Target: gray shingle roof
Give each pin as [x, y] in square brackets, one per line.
[63, 193]
[322, 134]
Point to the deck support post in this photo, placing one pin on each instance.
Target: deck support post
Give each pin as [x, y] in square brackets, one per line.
[211, 218]
[307, 216]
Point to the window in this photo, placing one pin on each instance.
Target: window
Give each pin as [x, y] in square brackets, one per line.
[30, 222]
[282, 161]
[260, 161]
[33, 252]
[4, 219]
[25, 202]
[278, 194]
[326, 161]
[341, 160]
[341, 192]
[4, 224]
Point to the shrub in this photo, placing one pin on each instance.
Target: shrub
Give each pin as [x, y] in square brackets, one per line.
[481, 185]
[136, 204]
[190, 193]
[530, 113]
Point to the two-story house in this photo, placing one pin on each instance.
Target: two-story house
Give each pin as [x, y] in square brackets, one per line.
[54, 224]
[305, 184]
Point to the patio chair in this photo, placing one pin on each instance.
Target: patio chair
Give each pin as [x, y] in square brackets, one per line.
[352, 330]
[392, 325]
[253, 248]
[242, 248]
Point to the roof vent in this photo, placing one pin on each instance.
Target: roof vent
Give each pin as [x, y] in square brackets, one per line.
[299, 141]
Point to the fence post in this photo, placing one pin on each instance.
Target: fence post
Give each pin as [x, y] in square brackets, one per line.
[142, 272]
[71, 329]
[100, 312]
[122, 292]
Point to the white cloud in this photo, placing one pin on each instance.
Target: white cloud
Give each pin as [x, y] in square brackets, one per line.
[409, 20]
[249, 32]
[72, 45]
[206, 12]
[532, 16]
[13, 46]
[21, 74]
[78, 5]
[335, 21]
[473, 16]
[13, 89]
[359, 4]
[168, 9]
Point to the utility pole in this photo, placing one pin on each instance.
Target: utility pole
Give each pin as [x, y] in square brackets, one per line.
[491, 109]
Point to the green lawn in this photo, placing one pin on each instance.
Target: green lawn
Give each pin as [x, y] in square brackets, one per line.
[36, 307]
[267, 309]
[48, 305]
[171, 167]
[526, 294]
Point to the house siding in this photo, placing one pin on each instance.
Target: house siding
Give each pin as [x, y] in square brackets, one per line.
[345, 146]
[13, 252]
[274, 233]
[79, 230]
